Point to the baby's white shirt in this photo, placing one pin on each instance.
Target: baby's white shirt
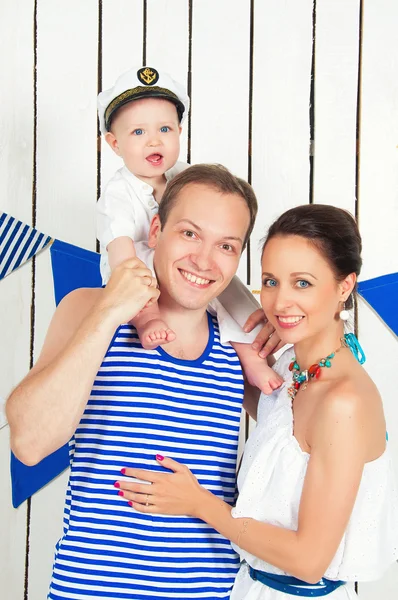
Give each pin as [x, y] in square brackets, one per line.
[125, 209]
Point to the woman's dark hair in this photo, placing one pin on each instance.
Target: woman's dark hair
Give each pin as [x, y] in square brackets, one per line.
[331, 230]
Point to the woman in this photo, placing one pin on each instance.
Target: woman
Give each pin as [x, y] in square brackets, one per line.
[317, 505]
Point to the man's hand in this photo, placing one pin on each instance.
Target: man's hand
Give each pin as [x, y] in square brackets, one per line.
[130, 288]
[267, 342]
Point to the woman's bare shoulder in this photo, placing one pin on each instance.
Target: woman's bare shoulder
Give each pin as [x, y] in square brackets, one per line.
[354, 404]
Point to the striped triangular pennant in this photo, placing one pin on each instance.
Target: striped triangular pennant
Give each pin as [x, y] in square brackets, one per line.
[18, 243]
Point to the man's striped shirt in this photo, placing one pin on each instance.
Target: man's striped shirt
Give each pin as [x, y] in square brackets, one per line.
[143, 403]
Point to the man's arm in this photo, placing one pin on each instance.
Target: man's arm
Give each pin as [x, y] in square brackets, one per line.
[45, 409]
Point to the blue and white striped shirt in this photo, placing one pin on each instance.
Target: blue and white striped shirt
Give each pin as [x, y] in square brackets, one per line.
[146, 402]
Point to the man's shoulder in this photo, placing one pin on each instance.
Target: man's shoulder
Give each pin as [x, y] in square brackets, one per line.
[76, 305]
[69, 315]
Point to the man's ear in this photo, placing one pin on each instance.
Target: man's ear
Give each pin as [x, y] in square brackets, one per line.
[347, 285]
[154, 232]
[112, 142]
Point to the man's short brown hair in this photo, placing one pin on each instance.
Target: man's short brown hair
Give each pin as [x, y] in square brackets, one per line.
[216, 177]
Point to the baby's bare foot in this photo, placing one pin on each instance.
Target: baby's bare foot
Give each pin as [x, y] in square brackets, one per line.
[263, 377]
[155, 333]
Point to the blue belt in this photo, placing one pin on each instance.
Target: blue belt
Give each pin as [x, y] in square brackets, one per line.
[294, 586]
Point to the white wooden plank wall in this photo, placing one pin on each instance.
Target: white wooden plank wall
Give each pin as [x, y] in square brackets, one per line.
[378, 211]
[248, 66]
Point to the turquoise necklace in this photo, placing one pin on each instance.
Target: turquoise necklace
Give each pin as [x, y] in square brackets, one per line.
[302, 378]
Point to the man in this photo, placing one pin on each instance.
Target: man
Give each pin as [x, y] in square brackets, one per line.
[184, 403]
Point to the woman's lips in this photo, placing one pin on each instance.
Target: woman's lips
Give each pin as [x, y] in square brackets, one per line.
[289, 322]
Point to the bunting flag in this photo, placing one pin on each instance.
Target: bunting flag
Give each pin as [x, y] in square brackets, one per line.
[72, 268]
[18, 243]
[381, 294]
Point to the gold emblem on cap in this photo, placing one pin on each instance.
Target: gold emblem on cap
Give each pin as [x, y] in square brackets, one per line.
[147, 75]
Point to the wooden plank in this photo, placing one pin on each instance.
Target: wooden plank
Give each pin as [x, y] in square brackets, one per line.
[220, 87]
[16, 158]
[281, 92]
[167, 42]
[378, 213]
[336, 87]
[66, 195]
[381, 351]
[122, 49]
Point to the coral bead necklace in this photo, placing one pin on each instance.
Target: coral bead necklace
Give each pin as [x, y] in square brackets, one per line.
[302, 378]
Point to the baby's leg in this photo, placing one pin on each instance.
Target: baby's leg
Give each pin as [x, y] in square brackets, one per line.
[119, 250]
[151, 329]
[237, 304]
[257, 370]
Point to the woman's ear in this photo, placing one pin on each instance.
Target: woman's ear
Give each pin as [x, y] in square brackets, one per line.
[347, 285]
[154, 232]
[112, 142]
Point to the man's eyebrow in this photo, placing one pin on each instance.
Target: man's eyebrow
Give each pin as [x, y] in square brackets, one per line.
[226, 237]
[234, 238]
[190, 222]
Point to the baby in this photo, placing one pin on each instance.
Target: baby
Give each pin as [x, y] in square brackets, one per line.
[141, 118]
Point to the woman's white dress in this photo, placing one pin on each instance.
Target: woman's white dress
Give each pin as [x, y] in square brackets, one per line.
[270, 483]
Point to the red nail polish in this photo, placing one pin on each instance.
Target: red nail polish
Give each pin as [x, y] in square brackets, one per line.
[120, 493]
[159, 457]
[117, 484]
[130, 503]
[123, 471]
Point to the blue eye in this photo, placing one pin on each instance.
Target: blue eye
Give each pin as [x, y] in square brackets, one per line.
[303, 284]
[138, 131]
[165, 129]
[269, 283]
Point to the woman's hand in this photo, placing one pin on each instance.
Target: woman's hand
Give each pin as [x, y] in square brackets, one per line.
[177, 493]
[267, 341]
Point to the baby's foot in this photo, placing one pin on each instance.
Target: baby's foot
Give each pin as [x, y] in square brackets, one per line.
[155, 333]
[263, 377]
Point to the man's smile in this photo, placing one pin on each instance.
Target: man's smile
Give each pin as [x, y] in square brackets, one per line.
[195, 279]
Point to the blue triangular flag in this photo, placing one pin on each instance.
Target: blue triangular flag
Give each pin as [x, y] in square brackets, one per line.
[72, 268]
[381, 294]
[18, 243]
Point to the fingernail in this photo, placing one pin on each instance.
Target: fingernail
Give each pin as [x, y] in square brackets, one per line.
[117, 484]
[130, 503]
[255, 346]
[120, 493]
[159, 457]
[245, 329]
[123, 471]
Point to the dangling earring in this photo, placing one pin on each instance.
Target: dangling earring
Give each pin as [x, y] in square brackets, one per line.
[344, 314]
